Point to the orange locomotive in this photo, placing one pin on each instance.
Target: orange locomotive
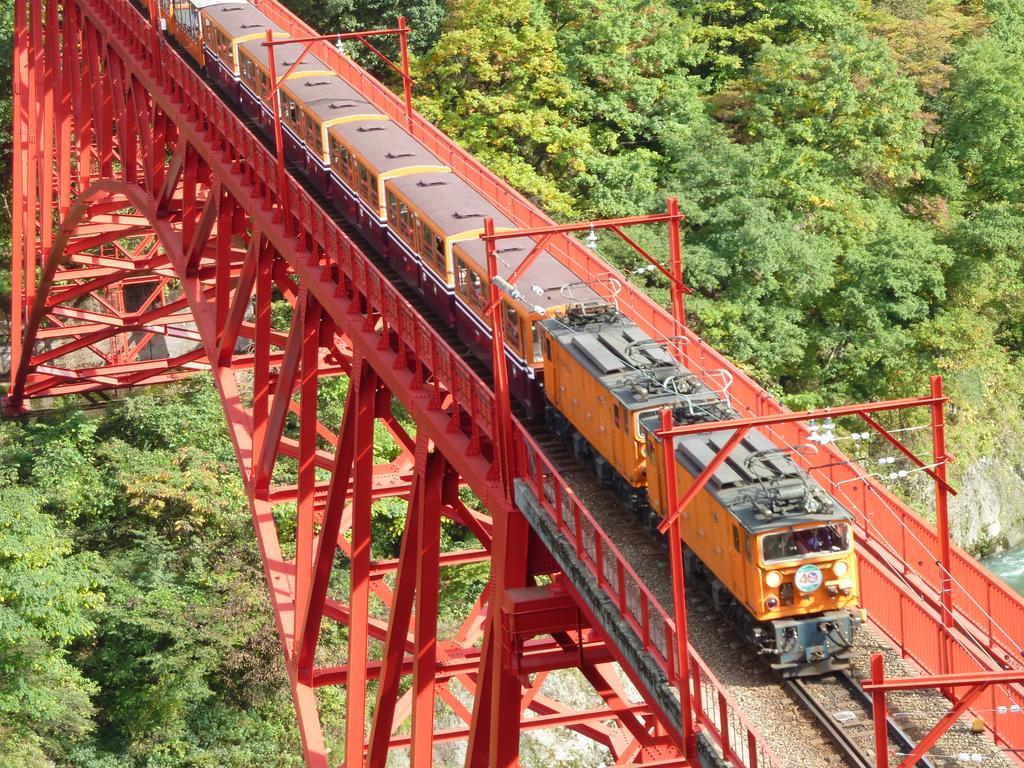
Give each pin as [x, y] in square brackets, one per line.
[772, 547]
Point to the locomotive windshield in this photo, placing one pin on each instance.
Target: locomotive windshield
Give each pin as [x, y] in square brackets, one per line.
[806, 542]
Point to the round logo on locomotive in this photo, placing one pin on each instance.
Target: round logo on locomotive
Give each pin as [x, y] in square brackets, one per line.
[808, 578]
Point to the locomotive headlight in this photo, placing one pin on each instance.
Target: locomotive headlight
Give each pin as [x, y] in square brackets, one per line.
[840, 568]
[773, 579]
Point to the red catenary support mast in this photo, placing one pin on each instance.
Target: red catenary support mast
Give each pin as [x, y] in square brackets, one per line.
[183, 246]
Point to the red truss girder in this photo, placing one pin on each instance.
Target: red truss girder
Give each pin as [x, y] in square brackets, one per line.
[170, 252]
[172, 246]
[971, 684]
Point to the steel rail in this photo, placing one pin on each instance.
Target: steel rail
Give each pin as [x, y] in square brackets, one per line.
[858, 756]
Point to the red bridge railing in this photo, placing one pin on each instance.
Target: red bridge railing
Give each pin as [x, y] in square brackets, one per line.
[715, 711]
[439, 370]
[903, 543]
[898, 544]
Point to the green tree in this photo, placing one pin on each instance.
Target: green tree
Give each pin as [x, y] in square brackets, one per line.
[134, 628]
[731, 33]
[844, 97]
[923, 35]
[631, 91]
[48, 593]
[495, 81]
[889, 286]
[424, 17]
[988, 276]
[981, 150]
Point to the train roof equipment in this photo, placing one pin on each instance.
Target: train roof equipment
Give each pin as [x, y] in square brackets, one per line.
[759, 483]
[386, 147]
[285, 56]
[450, 203]
[239, 19]
[328, 97]
[638, 370]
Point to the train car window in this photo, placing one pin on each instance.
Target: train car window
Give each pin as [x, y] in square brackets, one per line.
[187, 19]
[617, 415]
[461, 277]
[746, 543]
[805, 542]
[403, 219]
[364, 180]
[537, 342]
[736, 537]
[439, 255]
[415, 232]
[547, 349]
[374, 191]
[476, 290]
[340, 158]
[248, 70]
[428, 249]
[392, 209]
[513, 335]
[316, 134]
[335, 152]
[406, 223]
[469, 284]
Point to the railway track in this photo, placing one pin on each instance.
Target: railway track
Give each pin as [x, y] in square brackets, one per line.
[843, 710]
[634, 539]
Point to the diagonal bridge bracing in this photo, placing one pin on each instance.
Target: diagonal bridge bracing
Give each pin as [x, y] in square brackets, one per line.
[170, 251]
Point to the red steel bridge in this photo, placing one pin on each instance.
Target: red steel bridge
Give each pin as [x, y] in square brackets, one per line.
[152, 232]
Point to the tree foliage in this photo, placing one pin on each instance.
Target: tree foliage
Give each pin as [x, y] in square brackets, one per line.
[852, 179]
[133, 618]
[843, 97]
[48, 596]
[983, 137]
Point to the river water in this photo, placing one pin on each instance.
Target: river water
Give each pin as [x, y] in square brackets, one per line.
[1009, 566]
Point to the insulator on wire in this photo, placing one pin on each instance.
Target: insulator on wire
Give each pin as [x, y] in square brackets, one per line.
[507, 288]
